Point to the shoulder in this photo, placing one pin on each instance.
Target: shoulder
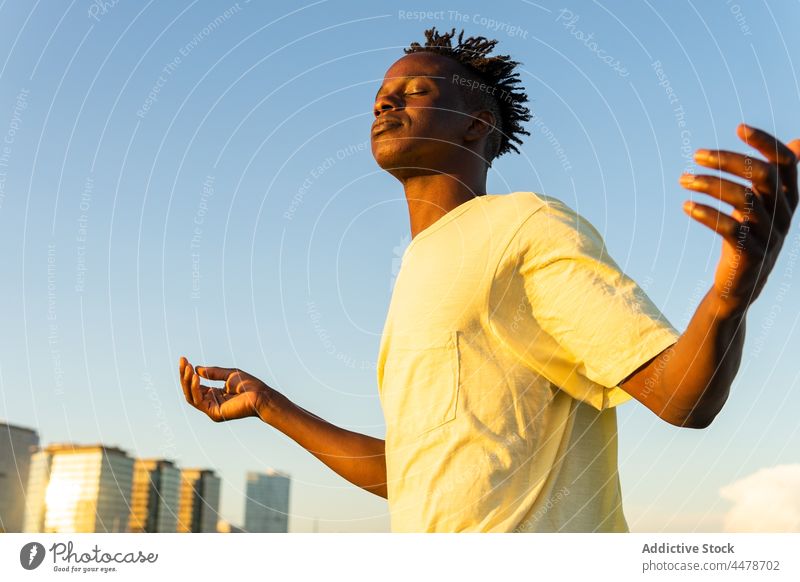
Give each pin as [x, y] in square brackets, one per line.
[520, 204]
[549, 220]
[524, 205]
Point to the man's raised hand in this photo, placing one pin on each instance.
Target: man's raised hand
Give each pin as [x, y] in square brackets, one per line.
[242, 395]
[763, 209]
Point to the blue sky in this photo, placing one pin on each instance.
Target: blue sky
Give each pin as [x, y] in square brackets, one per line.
[195, 179]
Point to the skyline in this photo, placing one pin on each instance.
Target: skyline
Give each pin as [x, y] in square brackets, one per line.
[196, 180]
[60, 477]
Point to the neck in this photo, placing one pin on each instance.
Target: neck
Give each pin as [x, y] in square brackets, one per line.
[431, 196]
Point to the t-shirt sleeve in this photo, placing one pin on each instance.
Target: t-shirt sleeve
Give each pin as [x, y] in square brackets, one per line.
[572, 315]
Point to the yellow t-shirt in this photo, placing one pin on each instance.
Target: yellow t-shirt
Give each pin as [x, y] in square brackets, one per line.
[508, 331]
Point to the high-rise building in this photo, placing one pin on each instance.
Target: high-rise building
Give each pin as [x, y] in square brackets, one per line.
[154, 496]
[198, 507]
[17, 444]
[78, 489]
[267, 503]
[224, 526]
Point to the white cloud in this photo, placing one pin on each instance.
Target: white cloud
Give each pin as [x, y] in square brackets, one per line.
[766, 501]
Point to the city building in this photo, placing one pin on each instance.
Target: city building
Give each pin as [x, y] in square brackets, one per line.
[224, 526]
[17, 444]
[267, 502]
[198, 505]
[78, 489]
[154, 496]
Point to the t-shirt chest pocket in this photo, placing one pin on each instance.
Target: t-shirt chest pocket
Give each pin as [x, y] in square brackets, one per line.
[420, 384]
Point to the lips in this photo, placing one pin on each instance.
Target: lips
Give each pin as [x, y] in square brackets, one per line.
[384, 124]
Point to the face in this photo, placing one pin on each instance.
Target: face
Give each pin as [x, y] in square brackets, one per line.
[420, 120]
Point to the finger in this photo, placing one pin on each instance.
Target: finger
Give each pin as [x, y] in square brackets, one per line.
[764, 175]
[794, 145]
[790, 176]
[215, 373]
[730, 229]
[197, 397]
[773, 149]
[186, 378]
[233, 383]
[748, 206]
[776, 151]
[768, 181]
[186, 390]
[182, 363]
[185, 387]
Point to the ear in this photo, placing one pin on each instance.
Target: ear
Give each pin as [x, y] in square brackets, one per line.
[481, 124]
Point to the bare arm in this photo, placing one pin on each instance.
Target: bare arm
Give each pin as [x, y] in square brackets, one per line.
[356, 457]
[688, 383]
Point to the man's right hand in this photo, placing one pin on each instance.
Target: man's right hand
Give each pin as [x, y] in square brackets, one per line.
[243, 395]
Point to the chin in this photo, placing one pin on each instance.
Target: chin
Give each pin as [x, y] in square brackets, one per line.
[388, 156]
[401, 161]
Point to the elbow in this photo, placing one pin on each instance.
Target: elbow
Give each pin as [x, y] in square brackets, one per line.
[379, 490]
[695, 419]
[697, 414]
[697, 423]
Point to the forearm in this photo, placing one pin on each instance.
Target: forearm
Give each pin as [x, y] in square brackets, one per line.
[357, 457]
[699, 368]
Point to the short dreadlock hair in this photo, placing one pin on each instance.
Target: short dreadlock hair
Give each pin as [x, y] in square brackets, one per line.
[505, 101]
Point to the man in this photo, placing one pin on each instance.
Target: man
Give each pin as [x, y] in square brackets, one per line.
[511, 335]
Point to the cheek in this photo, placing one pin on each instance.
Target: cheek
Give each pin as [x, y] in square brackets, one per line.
[438, 123]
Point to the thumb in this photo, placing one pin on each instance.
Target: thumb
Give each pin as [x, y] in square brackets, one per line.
[214, 372]
[794, 145]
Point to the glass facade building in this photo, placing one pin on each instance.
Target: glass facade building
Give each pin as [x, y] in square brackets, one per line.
[79, 489]
[267, 502]
[198, 507]
[154, 496]
[17, 445]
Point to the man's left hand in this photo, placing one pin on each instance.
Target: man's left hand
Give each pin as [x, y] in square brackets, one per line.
[763, 209]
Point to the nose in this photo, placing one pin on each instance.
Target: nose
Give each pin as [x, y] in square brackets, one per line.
[386, 102]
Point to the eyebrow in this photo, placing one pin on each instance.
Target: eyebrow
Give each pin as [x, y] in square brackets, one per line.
[410, 77]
